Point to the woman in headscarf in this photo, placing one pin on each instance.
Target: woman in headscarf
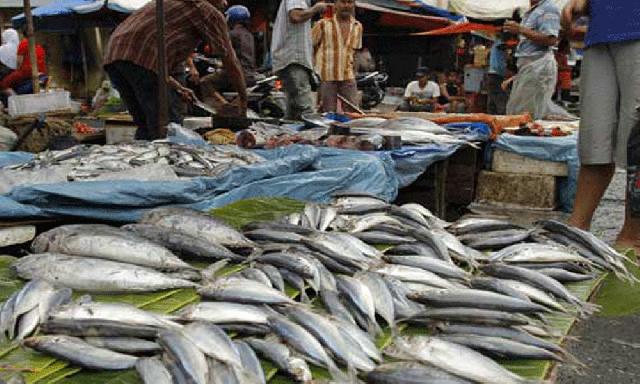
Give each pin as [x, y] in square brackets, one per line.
[9, 52]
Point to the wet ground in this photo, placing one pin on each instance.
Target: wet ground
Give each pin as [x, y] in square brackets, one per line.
[609, 344]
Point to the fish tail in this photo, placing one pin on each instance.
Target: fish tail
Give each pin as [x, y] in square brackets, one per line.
[587, 309]
[337, 374]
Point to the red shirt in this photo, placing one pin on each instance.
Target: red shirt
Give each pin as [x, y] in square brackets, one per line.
[24, 71]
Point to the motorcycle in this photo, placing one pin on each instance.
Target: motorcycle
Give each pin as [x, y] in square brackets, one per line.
[372, 85]
[261, 98]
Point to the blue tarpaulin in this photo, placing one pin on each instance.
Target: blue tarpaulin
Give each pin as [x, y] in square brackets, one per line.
[560, 149]
[301, 172]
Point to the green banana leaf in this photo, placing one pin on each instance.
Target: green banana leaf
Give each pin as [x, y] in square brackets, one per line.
[41, 369]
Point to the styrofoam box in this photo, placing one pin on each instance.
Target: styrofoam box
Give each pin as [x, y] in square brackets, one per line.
[39, 103]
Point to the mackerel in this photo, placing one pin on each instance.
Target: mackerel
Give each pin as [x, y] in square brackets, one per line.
[152, 371]
[472, 298]
[128, 345]
[279, 354]
[243, 291]
[189, 360]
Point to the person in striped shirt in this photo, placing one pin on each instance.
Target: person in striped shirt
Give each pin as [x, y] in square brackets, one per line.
[335, 41]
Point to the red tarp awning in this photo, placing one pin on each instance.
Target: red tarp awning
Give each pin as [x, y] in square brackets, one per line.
[461, 28]
[393, 18]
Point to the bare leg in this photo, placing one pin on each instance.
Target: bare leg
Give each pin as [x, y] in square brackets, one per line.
[592, 184]
[629, 237]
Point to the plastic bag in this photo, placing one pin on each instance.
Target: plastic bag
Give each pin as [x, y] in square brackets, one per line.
[534, 88]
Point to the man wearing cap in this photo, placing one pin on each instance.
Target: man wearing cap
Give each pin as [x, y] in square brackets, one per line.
[422, 94]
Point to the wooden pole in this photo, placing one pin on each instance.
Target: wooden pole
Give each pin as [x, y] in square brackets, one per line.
[32, 46]
[85, 67]
[163, 103]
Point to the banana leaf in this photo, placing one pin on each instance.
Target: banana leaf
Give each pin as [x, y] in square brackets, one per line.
[41, 369]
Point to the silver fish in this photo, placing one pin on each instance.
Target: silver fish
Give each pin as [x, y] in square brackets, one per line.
[188, 358]
[243, 291]
[279, 354]
[274, 275]
[250, 362]
[358, 295]
[110, 243]
[502, 348]
[197, 224]
[437, 266]
[213, 342]
[453, 358]
[128, 345]
[382, 298]
[80, 353]
[474, 298]
[223, 313]
[94, 275]
[152, 371]
[411, 373]
[416, 275]
[16, 235]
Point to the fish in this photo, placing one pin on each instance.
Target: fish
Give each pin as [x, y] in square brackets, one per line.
[303, 342]
[500, 348]
[210, 273]
[219, 312]
[343, 250]
[327, 334]
[250, 362]
[185, 245]
[152, 371]
[496, 239]
[453, 358]
[292, 260]
[190, 362]
[354, 334]
[591, 242]
[414, 249]
[437, 266]
[359, 297]
[80, 353]
[16, 235]
[49, 301]
[497, 285]
[433, 220]
[213, 342]
[327, 216]
[220, 373]
[256, 275]
[269, 235]
[90, 316]
[538, 253]
[109, 243]
[127, 345]
[434, 241]
[197, 224]
[382, 298]
[246, 329]
[403, 372]
[403, 307]
[473, 298]
[273, 274]
[416, 219]
[26, 304]
[298, 283]
[379, 237]
[540, 281]
[412, 274]
[94, 275]
[564, 276]
[536, 295]
[369, 221]
[280, 355]
[243, 291]
[480, 225]
[470, 315]
[511, 333]
[275, 226]
[333, 304]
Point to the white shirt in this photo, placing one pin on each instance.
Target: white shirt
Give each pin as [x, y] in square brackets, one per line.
[291, 43]
[430, 90]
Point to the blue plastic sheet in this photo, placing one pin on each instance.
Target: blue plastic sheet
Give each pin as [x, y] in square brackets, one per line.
[560, 149]
[301, 172]
[13, 158]
[413, 161]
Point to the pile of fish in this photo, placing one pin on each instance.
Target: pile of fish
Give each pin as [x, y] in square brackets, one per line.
[476, 307]
[85, 162]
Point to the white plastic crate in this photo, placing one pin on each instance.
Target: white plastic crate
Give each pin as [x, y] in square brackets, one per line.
[39, 103]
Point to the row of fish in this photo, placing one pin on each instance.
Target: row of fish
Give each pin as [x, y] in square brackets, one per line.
[86, 162]
[478, 307]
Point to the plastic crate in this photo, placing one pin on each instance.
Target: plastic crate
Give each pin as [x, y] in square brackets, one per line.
[39, 103]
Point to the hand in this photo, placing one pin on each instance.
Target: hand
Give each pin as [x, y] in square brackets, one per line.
[320, 7]
[505, 85]
[512, 27]
[187, 94]
[571, 10]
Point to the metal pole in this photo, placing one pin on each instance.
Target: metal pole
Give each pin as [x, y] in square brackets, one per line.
[163, 104]
[32, 46]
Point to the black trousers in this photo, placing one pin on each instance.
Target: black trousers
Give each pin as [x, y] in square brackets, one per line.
[497, 98]
[138, 89]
